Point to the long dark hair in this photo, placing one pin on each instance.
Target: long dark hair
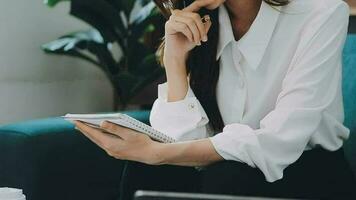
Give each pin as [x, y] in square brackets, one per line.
[204, 69]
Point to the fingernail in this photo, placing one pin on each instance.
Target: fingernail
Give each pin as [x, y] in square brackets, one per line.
[205, 38]
[199, 43]
[76, 128]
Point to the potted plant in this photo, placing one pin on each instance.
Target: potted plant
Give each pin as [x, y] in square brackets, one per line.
[134, 26]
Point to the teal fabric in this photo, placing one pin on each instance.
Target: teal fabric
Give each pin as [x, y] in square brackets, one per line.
[349, 93]
[349, 82]
[55, 125]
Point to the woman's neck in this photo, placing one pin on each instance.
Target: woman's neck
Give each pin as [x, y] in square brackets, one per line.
[242, 14]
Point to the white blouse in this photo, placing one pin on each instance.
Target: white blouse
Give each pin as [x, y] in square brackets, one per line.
[279, 90]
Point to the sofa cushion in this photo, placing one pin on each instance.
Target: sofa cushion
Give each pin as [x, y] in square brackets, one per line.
[349, 93]
[349, 82]
[48, 159]
[55, 125]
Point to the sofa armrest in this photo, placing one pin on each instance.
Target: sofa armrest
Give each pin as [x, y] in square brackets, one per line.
[50, 160]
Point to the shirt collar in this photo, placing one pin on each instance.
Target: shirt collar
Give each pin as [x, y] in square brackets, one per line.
[226, 36]
[254, 43]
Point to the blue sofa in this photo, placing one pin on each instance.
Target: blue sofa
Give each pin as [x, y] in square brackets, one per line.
[50, 160]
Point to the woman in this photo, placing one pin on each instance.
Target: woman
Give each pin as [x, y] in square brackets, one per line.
[253, 94]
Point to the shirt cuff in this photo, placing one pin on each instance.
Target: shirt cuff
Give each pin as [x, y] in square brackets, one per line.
[239, 142]
[163, 93]
[231, 142]
[178, 119]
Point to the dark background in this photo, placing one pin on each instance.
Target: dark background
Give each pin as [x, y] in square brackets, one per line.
[352, 27]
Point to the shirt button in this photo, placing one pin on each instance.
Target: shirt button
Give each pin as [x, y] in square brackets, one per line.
[191, 106]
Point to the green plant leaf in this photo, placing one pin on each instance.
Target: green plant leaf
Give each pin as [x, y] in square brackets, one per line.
[125, 83]
[145, 66]
[144, 13]
[148, 79]
[103, 16]
[136, 38]
[73, 44]
[52, 3]
[73, 40]
[127, 6]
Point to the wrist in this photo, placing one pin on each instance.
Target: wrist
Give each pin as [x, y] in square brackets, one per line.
[158, 156]
[176, 69]
[177, 63]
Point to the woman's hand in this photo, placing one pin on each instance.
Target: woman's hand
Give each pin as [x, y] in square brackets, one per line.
[183, 31]
[123, 143]
[126, 144]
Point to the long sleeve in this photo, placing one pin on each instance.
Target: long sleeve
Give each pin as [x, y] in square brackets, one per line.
[183, 120]
[309, 92]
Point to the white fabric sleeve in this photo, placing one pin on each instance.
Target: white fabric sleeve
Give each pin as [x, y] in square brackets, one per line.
[183, 120]
[310, 86]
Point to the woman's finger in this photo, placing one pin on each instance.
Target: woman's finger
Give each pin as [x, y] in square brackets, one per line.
[179, 27]
[90, 137]
[190, 23]
[199, 4]
[196, 5]
[101, 139]
[115, 129]
[198, 21]
[183, 28]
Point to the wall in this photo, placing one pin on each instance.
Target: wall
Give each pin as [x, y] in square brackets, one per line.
[36, 85]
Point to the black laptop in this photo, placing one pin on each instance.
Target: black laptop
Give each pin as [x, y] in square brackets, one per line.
[151, 195]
